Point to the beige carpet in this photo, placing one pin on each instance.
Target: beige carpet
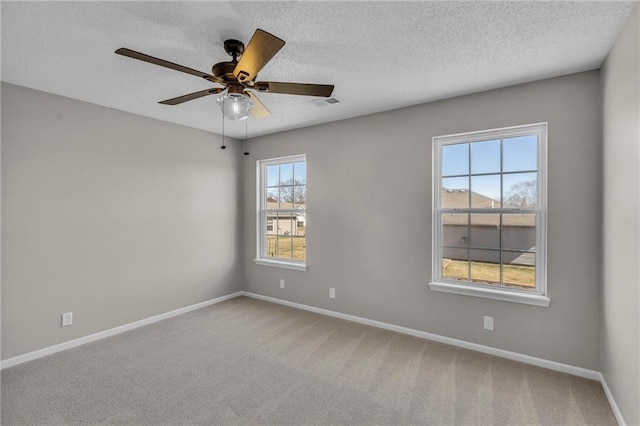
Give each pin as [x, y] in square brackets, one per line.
[246, 361]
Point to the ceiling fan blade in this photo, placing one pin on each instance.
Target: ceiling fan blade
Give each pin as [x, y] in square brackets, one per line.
[191, 96]
[157, 61]
[294, 88]
[261, 48]
[259, 110]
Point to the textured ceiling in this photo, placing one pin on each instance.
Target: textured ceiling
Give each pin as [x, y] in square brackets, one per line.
[379, 55]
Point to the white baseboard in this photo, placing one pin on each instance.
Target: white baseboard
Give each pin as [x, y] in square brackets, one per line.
[10, 362]
[612, 401]
[540, 362]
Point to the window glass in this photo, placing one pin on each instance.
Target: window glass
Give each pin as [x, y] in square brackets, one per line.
[520, 190]
[520, 153]
[485, 157]
[519, 232]
[455, 193]
[485, 230]
[485, 266]
[455, 159]
[455, 230]
[273, 175]
[519, 269]
[300, 172]
[286, 174]
[485, 191]
[455, 264]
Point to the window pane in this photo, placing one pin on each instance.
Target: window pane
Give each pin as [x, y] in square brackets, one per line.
[273, 175]
[485, 266]
[485, 231]
[273, 195]
[519, 232]
[300, 224]
[299, 196]
[286, 197]
[485, 157]
[485, 191]
[520, 153]
[300, 172]
[519, 269]
[455, 159]
[299, 248]
[286, 174]
[455, 230]
[285, 225]
[284, 247]
[455, 193]
[520, 190]
[455, 264]
[271, 246]
[283, 231]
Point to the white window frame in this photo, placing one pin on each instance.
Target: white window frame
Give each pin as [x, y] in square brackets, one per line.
[539, 297]
[261, 225]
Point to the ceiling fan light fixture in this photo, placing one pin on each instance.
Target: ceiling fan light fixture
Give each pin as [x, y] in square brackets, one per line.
[235, 106]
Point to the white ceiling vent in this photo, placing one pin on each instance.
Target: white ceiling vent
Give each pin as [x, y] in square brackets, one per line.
[327, 101]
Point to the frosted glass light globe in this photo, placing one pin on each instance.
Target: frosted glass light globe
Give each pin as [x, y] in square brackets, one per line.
[235, 106]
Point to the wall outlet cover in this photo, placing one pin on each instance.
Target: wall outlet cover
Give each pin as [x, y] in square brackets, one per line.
[488, 323]
[67, 319]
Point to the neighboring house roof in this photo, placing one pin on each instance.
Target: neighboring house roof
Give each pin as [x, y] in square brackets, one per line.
[273, 205]
[459, 199]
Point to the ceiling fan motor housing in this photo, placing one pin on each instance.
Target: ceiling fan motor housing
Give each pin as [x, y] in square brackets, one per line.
[224, 70]
[236, 89]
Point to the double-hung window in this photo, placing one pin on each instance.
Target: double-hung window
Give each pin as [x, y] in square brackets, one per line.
[282, 212]
[489, 214]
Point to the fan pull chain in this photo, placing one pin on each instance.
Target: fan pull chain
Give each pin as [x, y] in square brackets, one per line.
[223, 146]
[246, 151]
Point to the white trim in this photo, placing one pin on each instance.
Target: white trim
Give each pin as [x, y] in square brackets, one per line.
[614, 406]
[10, 362]
[527, 359]
[490, 293]
[286, 159]
[498, 130]
[281, 264]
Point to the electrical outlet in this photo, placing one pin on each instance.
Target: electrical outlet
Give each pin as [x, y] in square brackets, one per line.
[67, 319]
[332, 293]
[488, 323]
[281, 283]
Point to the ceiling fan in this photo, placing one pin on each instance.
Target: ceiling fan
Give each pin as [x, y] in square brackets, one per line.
[238, 77]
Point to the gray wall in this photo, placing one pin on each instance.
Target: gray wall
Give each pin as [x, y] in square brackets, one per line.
[620, 336]
[375, 171]
[113, 216]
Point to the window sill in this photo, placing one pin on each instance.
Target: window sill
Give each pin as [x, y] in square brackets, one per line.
[281, 264]
[490, 293]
